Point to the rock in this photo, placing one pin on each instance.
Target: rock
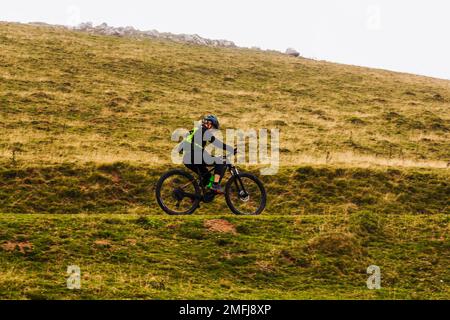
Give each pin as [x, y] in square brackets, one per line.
[85, 26]
[40, 24]
[292, 52]
[226, 43]
[105, 29]
[129, 31]
[151, 33]
[102, 26]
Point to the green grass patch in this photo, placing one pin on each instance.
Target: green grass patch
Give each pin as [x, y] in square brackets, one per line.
[276, 257]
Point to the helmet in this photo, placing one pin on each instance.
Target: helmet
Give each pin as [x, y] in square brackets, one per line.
[213, 119]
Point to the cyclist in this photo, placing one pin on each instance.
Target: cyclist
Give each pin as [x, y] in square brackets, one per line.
[196, 158]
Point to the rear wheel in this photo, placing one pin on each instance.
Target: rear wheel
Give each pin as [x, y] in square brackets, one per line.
[245, 194]
[178, 193]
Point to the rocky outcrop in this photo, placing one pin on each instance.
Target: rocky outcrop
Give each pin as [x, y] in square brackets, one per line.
[104, 29]
[292, 52]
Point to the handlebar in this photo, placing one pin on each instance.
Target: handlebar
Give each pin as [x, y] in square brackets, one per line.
[235, 151]
[225, 157]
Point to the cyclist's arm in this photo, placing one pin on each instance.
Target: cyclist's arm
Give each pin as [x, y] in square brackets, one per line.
[219, 144]
[183, 145]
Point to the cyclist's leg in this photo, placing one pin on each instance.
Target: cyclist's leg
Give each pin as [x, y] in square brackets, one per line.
[219, 171]
[200, 169]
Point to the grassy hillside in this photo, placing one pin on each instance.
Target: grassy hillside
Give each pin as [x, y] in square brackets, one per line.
[85, 125]
[68, 96]
[126, 188]
[310, 257]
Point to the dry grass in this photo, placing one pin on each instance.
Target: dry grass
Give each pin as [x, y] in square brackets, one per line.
[350, 159]
[72, 97]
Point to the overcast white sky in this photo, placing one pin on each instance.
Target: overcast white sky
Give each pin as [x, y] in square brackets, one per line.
[402, 35]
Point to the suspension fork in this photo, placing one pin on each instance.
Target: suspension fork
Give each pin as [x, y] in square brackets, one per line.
[238, 182]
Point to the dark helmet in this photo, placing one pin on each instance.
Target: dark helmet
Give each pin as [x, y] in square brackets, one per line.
[213, 119]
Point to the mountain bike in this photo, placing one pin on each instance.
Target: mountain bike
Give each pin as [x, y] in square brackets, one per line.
[179, 193]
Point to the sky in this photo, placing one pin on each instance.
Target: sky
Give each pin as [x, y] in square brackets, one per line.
[400, 35]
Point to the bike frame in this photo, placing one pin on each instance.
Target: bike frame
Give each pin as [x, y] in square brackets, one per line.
[229, 167]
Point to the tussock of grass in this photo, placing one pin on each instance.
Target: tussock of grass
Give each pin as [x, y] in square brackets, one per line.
[335, 244]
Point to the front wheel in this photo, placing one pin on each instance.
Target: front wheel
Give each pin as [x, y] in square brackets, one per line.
[245, 194]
